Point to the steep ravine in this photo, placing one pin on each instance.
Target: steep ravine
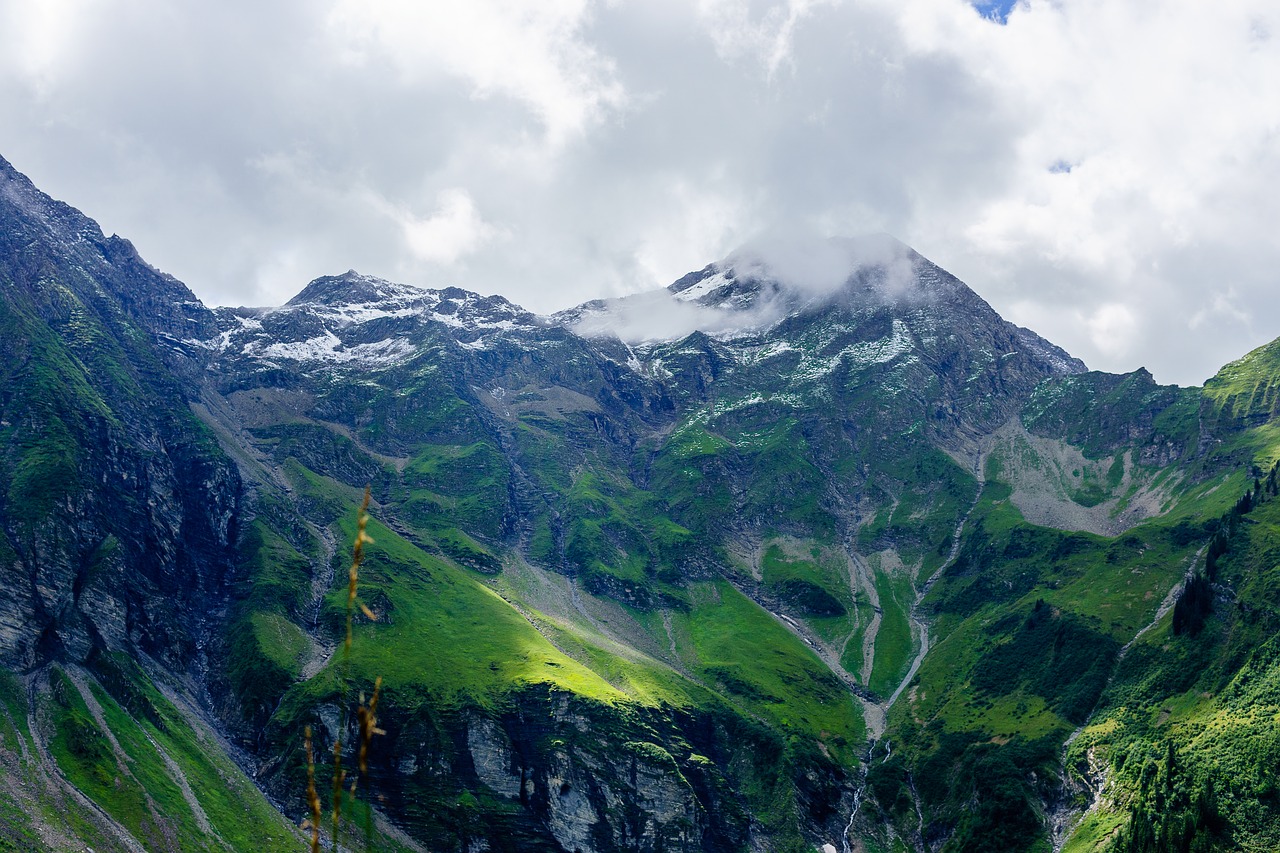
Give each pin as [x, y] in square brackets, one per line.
[876, 709]
[1062, 815]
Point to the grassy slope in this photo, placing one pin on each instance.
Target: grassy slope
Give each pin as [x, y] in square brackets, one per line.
[1028, 623]
[445, 633]
[446, 640]
[1247, 391]
[142, 794]
[1190, 729]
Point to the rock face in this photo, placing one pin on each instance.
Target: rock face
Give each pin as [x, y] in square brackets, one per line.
[571, 778]
[119, 511]
[577, 789]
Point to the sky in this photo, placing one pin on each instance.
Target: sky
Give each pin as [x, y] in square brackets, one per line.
[1105, 172]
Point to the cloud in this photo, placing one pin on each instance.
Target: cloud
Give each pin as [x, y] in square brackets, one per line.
[1112, 328]
[454, 231]
[1165, 116]
[606, 148]
[815, 264]
[1222, 306]
[767, 38]
[704, 222]
[796, 270]
[658, 316]
[533, 53]
[40, 37]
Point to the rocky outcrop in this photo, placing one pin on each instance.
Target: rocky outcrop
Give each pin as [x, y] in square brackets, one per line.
[571, 776]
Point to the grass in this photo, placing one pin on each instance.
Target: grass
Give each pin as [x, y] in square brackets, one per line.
[236, 809]
[17, 835]
[146, 797]
[279, 574]
[810, 581]
[1097, 413]
[642, 679]
[923, 494]
[444, 633]
[1093, 831]
[457, 485]
[784, 682]
[84, 754]
[894, 644]
[1247, 390]
[1211, 698]
[163, 796]
[14, 701]
[282, 642]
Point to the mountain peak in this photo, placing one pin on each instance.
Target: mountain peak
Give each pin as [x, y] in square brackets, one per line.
[798, 270]
[49, 234]
[776, 277]
[366, 322]
[353, 288]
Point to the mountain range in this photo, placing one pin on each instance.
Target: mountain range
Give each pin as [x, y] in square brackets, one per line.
[809, 551]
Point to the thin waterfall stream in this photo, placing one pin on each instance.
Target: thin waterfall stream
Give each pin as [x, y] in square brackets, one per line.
[879, 710]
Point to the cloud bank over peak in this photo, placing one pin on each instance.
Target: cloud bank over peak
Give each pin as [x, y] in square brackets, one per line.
[806, 262]
[772, 276]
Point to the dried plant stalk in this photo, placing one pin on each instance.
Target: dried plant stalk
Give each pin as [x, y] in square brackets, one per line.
[339, 775]
[368, 718]
[313, 798]
[367, 715]
[357, 557]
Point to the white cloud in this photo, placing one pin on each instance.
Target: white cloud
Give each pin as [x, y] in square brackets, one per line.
[767, 37]
[38, 37]
[704, 223]
[531, 52]
[1167, 118]
[1089, 154]
[1112, 328]
[452, 232]
[1220, 307]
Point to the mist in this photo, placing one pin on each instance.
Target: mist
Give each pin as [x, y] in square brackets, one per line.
[773, 275]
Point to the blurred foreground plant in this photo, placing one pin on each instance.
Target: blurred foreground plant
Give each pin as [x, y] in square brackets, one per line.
[366, 714]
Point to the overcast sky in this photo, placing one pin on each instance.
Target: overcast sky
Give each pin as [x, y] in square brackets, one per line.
[1106, 172]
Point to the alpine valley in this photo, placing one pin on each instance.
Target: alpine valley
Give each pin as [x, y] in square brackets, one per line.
[754, 563]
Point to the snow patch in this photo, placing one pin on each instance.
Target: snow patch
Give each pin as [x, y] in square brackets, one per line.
[329, 348]
[710, 284]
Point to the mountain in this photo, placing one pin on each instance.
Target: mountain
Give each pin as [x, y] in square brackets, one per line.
[810, 548]
[99, 445]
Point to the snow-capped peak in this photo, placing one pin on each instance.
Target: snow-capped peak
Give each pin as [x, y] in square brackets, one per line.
[366, 321]
[353, 288]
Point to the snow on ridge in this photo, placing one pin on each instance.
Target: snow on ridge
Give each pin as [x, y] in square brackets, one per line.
[363, 312]
[329, 348]
[320, 331]
[452, 307]
[886, 349]
[708, 285]
[223, 341]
